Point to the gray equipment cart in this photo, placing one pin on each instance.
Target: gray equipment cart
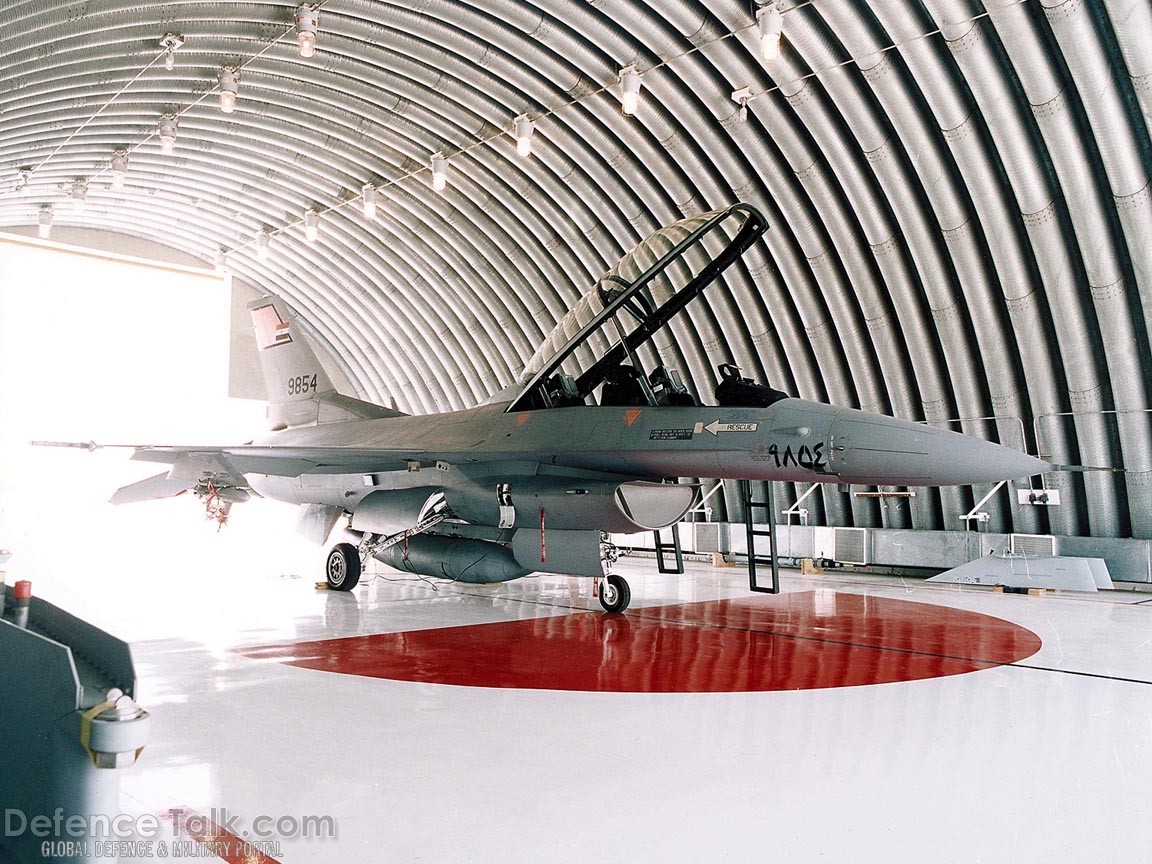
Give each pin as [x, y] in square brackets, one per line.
[68, 722]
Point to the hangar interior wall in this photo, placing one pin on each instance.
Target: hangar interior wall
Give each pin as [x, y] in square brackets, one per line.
[1129, 561]
[958, 191]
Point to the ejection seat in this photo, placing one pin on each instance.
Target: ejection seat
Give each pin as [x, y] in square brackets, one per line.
[735, 391]
[626, 385]
[562, 391]
[669, 389]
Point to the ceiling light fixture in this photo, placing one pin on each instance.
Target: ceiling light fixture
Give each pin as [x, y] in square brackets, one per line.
[262, 245]
[311, 225]
[219, 262]
[523, 128]
[170, 43]
[119, 168]
[307, 23]
[742, 97]
[771, 23]
[79, 194]
[44, 226]
[168, 133]
[629, 90]
[229, 81]
[439, 172]
[371, 196]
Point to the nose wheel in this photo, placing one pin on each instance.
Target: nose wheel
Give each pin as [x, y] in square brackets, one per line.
[615, 595]
[342, 569]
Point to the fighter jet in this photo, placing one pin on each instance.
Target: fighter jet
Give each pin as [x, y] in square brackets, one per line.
[594, 437]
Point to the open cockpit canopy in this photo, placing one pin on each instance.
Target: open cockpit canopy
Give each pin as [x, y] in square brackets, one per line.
[596, 346]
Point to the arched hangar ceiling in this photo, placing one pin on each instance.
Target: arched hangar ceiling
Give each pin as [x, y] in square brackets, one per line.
[961, 220]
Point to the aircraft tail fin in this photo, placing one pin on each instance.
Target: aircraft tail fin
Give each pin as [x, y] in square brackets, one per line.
[300, 393]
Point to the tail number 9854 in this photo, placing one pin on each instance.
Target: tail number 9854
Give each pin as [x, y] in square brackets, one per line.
[301, 384]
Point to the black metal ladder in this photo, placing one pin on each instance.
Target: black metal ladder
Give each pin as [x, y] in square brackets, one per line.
[662, 550]
[756, 560]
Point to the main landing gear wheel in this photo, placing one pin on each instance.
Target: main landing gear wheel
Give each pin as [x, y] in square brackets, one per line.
[615, 595]
[343, 567]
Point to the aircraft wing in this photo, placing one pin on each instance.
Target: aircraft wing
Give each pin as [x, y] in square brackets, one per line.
[228, 465]
[288, 461]
[192, 468]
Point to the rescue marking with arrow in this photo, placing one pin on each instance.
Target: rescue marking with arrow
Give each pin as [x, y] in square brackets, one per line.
[716, 427]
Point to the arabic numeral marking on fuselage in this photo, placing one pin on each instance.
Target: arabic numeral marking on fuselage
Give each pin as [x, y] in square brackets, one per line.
[804, 456]
[301, 384]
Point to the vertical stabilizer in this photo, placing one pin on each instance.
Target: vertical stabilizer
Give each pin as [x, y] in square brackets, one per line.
[293, 377]
[300, 393]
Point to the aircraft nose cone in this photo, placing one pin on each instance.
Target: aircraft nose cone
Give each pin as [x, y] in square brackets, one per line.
[871, 448]
[961, 459]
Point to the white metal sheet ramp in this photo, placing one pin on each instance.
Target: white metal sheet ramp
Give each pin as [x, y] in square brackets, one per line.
[1032, 571]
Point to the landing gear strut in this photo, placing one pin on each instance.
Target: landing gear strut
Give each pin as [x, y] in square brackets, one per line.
[615, 595]
[342, 569]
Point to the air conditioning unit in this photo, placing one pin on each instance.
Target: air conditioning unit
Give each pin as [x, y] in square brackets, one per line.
[850, 546]
[712, 537]
[1032, 544]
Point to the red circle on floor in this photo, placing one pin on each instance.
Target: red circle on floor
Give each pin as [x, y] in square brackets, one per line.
[800, 641]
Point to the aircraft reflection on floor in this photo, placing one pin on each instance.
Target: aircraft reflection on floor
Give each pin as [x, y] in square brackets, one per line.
[801, 641]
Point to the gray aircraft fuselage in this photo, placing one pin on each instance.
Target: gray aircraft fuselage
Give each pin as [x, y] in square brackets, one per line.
[792, 440]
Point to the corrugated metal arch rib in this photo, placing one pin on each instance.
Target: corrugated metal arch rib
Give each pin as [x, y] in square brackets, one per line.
[945, 242]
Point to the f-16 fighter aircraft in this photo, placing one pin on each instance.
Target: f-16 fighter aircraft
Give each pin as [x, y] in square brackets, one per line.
[591, 439]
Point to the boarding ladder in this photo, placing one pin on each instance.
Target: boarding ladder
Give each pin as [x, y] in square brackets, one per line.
[664, 548]
[756, 560]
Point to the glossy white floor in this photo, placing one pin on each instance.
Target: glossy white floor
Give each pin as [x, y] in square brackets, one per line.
[1047, 759]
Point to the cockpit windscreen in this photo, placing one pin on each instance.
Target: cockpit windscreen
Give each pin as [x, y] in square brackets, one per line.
[601, 351]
